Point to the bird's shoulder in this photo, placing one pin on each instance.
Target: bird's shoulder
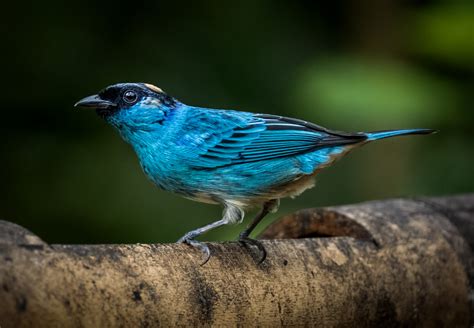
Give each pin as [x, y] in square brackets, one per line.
[215, 119]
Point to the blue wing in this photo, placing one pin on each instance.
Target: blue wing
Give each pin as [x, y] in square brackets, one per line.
[260, 137]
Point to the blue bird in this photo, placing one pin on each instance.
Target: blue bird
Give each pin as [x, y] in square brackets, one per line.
[237, 159]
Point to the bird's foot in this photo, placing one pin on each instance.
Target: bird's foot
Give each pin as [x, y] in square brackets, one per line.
[197, 244]
[244, 239]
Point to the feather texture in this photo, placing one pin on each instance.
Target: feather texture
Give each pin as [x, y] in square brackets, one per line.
[261, 137]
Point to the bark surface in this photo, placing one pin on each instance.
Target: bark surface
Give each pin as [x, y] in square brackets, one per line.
[402, 262]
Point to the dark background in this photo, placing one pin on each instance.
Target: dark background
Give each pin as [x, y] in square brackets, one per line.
[355, 65]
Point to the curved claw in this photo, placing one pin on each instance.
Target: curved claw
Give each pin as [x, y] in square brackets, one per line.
[199, 245]
[253, 242]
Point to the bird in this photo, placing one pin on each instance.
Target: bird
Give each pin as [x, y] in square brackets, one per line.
[240, 160]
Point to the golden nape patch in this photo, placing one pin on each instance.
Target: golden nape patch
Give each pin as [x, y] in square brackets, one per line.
[153, 88]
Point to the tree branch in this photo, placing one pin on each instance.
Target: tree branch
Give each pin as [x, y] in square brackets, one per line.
[405, 262]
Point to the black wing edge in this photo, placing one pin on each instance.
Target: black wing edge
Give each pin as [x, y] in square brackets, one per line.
[333, 138]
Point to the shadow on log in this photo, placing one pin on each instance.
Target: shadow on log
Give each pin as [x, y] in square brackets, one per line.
[382, 263]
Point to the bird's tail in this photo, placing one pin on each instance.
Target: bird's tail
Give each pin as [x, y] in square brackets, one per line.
[393, 133]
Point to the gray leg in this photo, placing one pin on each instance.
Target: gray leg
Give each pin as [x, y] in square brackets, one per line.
[269, 207]
[195, 233]
[232, 214]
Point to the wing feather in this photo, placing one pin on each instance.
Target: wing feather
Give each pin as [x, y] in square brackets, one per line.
[265, 137]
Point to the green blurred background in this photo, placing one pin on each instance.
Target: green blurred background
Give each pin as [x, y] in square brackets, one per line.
[354, 65]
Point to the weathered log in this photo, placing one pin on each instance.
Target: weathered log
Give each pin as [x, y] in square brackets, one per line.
[383, 263]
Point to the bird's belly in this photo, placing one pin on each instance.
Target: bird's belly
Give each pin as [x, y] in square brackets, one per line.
[245, 184]
[295, 187]
[202, 198]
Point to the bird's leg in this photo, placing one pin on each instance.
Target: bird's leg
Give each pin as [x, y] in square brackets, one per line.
[189, 238]
[231, 214]
[269, 207]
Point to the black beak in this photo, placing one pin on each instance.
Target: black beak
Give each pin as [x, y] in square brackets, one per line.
[95, 102]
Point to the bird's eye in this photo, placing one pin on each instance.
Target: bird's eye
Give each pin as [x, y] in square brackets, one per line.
[130, 96]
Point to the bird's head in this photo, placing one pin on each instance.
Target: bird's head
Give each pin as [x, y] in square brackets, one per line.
[134, 106]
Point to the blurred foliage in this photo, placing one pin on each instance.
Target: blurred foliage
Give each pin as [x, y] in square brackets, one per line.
[355, 65]
[445, 32]
[362, 91]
